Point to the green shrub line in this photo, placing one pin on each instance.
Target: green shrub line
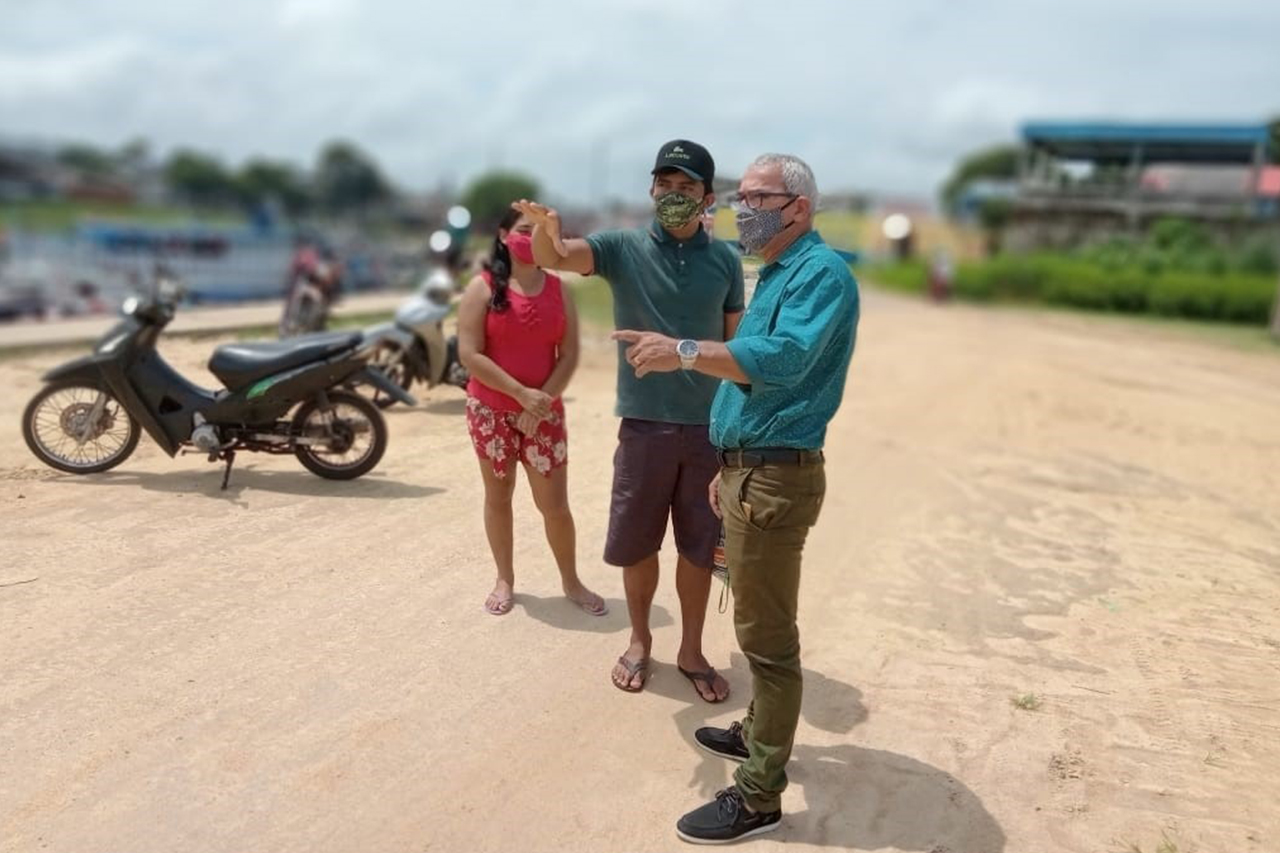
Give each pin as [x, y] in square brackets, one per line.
[1226, 295]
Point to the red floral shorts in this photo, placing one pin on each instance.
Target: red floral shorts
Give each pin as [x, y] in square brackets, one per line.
[496, 438]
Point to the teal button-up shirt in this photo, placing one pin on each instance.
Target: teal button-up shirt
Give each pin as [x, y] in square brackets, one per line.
[794, 344]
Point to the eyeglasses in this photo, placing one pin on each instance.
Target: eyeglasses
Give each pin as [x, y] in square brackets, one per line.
[754, 201]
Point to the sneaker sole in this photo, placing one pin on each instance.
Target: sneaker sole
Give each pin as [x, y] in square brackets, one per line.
[759, 830]
[702, 746]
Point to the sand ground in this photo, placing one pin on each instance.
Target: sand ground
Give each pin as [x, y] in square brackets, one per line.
[1019, 503]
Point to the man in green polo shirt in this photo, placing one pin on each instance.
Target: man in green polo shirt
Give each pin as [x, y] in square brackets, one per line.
[669, 277]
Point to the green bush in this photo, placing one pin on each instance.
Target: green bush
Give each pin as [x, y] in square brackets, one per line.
[1259, 258]
[1093, 285]
[905, 276]
[1235, 298]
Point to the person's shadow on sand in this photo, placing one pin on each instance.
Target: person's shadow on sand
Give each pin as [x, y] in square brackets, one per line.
[856, 798]
[559, 612]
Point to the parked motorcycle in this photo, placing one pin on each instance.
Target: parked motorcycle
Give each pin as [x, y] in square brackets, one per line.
[312, 291]
[87, 418]
[413, 347]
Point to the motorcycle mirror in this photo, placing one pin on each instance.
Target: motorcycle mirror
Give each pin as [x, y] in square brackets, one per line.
[437, 281]
[170, 288]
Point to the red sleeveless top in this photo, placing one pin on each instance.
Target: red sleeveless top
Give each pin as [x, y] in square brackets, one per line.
[523, 340]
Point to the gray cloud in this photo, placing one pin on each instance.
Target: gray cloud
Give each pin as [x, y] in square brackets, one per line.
[580, 94]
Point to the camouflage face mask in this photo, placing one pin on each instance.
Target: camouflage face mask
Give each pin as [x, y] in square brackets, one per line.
[676, 210]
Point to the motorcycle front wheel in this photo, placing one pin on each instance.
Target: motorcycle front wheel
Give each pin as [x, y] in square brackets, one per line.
[344, 439]
[77, 427]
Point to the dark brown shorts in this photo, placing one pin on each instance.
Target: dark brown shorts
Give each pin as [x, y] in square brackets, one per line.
[659, 470]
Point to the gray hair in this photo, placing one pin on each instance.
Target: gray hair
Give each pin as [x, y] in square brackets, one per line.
[797, 177]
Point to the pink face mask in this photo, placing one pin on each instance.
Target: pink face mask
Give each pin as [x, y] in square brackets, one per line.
[521, 247]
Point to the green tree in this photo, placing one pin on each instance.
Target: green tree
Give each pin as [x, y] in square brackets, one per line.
[261, 180]
[995, 215]
[134, 155]
[87, 159]
[1000, 161]
[347, 179]
[199, 179]
[489, 196]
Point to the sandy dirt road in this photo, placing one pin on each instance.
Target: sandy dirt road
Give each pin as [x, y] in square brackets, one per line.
[1020, 503]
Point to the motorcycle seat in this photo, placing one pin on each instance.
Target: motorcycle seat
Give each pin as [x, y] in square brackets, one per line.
[237, 365]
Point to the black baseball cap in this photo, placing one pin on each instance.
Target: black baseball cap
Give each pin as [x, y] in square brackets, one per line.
[689, 157]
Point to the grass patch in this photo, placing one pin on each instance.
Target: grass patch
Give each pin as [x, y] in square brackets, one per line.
[1225, 296]
[906, 277]
[594, 300]
[61, 214]
[1027, 702]
[909, 279]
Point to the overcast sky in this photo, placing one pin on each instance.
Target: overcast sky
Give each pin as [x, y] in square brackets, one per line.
[580, 93]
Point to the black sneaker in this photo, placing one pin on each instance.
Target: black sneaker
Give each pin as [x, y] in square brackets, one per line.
[724, 820]
[726, 743]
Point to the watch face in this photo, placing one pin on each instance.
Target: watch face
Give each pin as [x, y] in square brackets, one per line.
[687, 349]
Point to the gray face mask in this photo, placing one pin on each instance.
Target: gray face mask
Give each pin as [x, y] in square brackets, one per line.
[757, 227]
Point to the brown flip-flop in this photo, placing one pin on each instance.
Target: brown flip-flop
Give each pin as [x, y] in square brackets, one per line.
[708, 678]
[633, 668]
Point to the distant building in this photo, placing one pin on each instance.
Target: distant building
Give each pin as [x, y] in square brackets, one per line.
[27, 173]
[1080, 181]
[969, 202]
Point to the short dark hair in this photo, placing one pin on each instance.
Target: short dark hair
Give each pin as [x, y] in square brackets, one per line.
[706, 185]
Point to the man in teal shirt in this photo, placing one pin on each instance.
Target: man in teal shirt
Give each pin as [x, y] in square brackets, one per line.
[670, 278]
[785, 370]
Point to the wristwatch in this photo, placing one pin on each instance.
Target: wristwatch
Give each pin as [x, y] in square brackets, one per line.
[688, 352]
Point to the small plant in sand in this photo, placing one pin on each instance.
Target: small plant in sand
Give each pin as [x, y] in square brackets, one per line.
[1026, 702]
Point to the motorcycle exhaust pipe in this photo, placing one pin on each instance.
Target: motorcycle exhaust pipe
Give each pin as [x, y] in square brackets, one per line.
[379, 380]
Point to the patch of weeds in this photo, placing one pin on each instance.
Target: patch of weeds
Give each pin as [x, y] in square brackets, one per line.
[1027, 702]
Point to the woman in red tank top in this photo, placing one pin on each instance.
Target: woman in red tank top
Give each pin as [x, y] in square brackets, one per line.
[518, 337]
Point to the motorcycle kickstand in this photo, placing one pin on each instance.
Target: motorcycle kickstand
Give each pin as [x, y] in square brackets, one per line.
[230, 456]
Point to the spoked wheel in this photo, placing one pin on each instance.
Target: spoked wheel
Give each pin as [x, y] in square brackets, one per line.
[390, 359]
[75, 426]
[343, 440]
